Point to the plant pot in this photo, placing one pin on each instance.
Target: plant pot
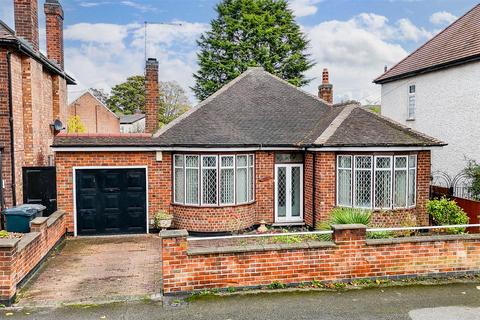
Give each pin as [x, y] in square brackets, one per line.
[165, 224]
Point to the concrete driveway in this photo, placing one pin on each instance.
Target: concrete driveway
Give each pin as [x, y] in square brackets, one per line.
[98, 269]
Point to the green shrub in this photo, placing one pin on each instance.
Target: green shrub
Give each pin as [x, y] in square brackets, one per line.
[159, 216]
[380, 235]
[345, 216]
[447, 212]
[4, 234]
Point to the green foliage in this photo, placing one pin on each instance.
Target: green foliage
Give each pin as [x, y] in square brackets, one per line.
[129, 97]
[75, 125]
[380, 235]
[250, 33]
[4, 234]
[346, 216]
[159, 216]
[447, 212]
[473, 172]
[276, 285]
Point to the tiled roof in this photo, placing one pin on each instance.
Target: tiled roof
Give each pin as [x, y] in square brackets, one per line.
[131, 118]
[258, 109]
[458, 43]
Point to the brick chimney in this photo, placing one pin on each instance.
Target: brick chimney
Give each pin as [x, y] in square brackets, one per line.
[152, 96]
[26, 21]
[54, 25]
[325, 90]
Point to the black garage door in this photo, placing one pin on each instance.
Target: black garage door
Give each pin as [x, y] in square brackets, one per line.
[111, 201]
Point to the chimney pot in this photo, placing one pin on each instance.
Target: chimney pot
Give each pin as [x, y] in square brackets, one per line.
[152, 96]
[26, 21]
[325, 90]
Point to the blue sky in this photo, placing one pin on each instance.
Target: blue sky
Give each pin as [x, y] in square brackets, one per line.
[353, 38]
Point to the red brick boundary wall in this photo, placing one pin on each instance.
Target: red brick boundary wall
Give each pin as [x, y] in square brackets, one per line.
[349, 256]
[19, 257]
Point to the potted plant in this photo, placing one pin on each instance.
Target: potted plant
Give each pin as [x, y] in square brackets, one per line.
[162, 220]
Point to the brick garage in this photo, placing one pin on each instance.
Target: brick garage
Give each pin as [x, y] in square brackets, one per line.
[348, 257]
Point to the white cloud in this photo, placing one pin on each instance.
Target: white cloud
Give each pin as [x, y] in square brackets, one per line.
[303, 8]
[442, 18]
[109, 53]
[409, 31]
[139, 6]
[355, 52]
[91, 4]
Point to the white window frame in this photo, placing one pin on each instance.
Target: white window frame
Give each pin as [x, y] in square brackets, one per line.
[415, 168]
[220, 179]
[395, 169]
[198, 168]
[411, 116]
[354, 198]
[202, 168]
[247, 181]
[175, 179]
[375, 169]
[338, 180]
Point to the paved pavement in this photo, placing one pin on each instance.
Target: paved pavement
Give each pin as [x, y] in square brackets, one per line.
[98, 268]
[445, 302]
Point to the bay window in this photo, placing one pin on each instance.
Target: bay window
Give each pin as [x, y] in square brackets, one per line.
[376, 182]
[213, 180]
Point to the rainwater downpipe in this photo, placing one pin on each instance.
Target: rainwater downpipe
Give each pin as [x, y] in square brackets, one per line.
[10, 119]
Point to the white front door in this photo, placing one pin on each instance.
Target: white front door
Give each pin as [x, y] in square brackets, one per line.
[289, 192]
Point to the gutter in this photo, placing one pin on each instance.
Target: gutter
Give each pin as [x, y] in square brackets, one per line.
[25, 49]
[10, 121]
[314, 191]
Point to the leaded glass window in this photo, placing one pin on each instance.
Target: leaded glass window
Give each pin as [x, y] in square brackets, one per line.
[344, 180]
[209, 180]
[227, 179]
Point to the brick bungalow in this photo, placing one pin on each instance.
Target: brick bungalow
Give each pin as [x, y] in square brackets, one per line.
[258, 149]
[33, 94]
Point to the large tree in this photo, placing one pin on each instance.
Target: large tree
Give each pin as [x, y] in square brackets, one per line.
[129, 96]
[251, 33]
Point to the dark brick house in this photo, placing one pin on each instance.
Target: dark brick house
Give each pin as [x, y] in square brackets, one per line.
[33, 93]
[258, 149]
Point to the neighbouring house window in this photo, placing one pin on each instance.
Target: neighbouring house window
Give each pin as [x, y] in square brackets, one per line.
[376, 182]
[213, 180]
[412, 101]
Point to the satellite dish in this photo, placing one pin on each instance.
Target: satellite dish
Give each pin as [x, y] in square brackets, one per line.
[58, 125]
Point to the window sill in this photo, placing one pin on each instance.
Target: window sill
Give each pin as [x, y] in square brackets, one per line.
[212, 206]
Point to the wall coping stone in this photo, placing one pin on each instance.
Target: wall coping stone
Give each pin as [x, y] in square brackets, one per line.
[348, 226]
[165, 234]
[54, 217]
[39, 220]
[9, 243]
[450, 237]
[261, 247]
[27, 239]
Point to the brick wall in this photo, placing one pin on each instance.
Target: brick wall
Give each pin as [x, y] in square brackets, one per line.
[96, 117]
[20, 256]
[38, 99]
[350, 256]
[159, 176]
[152, 96]
[54, 25]
[26, 21]
[265, 186]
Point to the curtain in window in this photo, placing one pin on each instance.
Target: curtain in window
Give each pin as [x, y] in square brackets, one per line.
[412, 180]
[179, 179]
[242, 179]
[227, 179]
[400, 184]
[191, 179]
[344, 182]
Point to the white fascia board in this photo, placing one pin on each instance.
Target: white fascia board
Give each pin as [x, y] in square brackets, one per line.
[372, 149]
[100, 149]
